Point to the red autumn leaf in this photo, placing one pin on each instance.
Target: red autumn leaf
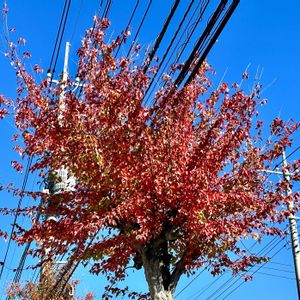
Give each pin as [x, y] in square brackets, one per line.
[21, 41]
[17, 166]
[37, 68]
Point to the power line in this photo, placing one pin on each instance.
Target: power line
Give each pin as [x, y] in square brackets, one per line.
[294, 151]
[29, 162]
[68, 271]
[15, 246]
[161, 35]
[170, 45]
[226, 296]
[281, 162]
[265, 250]
[277, 165]
[200, 41]
[106, 9]
[280, 264]
[187, 40]
[80, 90]
[191, 30]
[20, 267]
[185, 287]
[213, 39]
[52, 66]
[128, 25]
[279, 270]
[139, 28]
[59, 36]
[206, 288]
[76, 21]
[238, 279]
[275, 275]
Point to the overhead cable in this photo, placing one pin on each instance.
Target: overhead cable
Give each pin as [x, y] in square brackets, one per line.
[160, 36]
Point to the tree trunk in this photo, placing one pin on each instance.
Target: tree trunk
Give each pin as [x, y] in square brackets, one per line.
[161, 281]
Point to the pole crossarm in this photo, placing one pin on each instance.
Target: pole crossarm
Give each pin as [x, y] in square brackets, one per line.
[276, 172]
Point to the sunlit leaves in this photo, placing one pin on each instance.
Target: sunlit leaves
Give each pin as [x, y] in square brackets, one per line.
[182, 173]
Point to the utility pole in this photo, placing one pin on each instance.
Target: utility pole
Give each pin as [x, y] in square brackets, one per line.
[63, 85]
[292, 225]
[61, 181]
[64, 182]
[292, 220]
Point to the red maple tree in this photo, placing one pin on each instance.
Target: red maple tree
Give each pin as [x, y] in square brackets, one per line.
[172, 187]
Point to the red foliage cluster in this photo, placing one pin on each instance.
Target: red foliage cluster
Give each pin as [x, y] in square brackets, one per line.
[183, 173]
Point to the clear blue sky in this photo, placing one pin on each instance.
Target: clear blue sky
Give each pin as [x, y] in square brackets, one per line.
[265, 34]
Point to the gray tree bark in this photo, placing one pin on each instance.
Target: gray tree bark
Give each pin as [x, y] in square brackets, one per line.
[161, 281]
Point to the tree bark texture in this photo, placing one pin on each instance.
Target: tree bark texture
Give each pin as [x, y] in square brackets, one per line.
[161, 281]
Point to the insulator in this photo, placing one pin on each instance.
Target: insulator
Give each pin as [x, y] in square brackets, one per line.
[49, 75]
